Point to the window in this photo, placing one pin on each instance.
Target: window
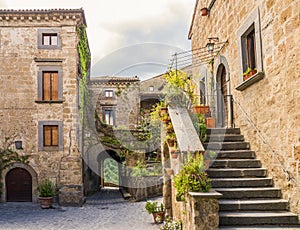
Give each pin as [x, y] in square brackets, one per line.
[49, 39]
[250, 51]
[108, 116]
[50, 84]
[50, 136]
[108, 93]
[151, 88]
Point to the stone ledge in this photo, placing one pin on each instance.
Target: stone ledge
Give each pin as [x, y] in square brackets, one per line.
[49, 59]
[212, 194]
[49, 102]
[255, 78]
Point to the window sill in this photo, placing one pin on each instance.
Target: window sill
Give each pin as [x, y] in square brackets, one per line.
[255, 78]
[51, 148]
[49, 102]
[49, 47]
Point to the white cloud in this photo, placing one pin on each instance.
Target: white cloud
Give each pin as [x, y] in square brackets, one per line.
[116, 24]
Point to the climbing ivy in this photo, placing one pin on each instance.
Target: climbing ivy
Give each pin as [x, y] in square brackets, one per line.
[84, 65]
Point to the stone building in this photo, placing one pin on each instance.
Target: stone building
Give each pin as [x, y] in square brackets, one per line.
[114, 111]
[151, 92]
[262, 36]
[40, 101]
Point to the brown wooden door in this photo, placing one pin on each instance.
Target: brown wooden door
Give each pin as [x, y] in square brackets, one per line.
[225, 97]
[18, 185]
[222, 97]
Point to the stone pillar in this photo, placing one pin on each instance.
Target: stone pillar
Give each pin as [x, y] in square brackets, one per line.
[203, 211]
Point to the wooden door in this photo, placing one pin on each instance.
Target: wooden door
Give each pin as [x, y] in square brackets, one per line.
[18, 185]
[222, 97]
[225, 97]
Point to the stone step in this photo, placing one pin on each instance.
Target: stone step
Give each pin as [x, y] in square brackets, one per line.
[236, 154]
[241, 172]
[241, 182]
[226, 145]
[258, 218]
[249, 193]
[254, 204]
[226, 138]
[236, 163]
[223, 131]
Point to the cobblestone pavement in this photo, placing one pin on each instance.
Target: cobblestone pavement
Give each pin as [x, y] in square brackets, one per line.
[110, 213]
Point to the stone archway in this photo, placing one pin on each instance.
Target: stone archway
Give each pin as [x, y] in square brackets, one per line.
[223, 93]
[26, 178]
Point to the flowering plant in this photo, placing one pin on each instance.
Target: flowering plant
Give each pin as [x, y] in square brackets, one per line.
[170, 224]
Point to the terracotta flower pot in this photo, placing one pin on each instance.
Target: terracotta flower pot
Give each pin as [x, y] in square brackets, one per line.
[204, 11]
[210, 122]
[163, 110]
[46, 202]
[158, 217]
[174, 154]
[201, 109]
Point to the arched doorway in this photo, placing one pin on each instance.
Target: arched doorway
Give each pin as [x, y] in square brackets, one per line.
[110, 168]
[222, 97]
[18, 185]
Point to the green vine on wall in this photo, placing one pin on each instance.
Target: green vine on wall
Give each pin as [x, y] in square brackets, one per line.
[84, 64]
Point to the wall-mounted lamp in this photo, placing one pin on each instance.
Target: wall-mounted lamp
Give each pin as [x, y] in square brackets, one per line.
[210, 45]
[204, 11]
[18, 144]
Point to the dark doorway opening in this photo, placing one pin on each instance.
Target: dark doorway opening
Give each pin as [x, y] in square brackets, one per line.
[18, 185]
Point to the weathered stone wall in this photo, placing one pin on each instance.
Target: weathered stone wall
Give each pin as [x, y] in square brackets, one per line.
[272, 103]
[19, 112]
[142, 188]
[126, 100]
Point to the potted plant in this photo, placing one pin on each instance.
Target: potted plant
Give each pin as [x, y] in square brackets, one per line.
[171, 139]
[174, 153]
[46, 191]
[192, 178]
[169, 128]
[201, 109]
[157, 210]
[170, 224]
[249, 73]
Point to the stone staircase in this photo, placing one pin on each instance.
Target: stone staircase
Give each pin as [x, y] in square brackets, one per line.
[249, 198]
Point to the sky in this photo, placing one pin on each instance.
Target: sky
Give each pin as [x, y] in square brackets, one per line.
[127, 37]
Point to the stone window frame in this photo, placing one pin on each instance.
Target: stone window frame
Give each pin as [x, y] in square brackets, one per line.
[49, 31]
[252, 22]
[41, 146]
[40, 84]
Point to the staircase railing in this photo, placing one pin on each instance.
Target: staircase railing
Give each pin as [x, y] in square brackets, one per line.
[289, 177]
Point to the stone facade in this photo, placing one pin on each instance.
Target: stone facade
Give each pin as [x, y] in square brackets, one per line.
[266, 106]
[151, 92]
[120, 95]
[23, 111]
